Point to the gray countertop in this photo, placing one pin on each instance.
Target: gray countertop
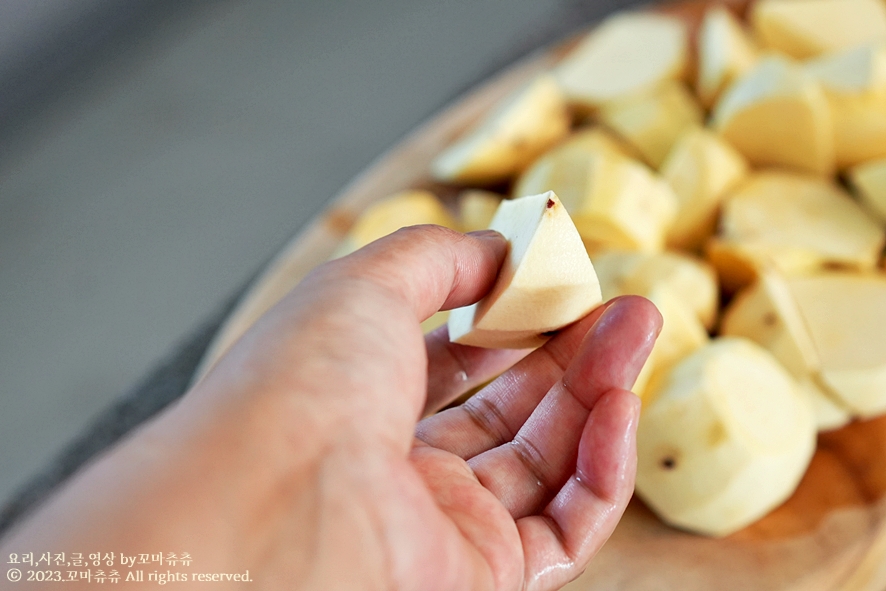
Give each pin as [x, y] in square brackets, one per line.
[150, 166]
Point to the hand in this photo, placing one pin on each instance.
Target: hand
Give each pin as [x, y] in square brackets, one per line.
[301, 456]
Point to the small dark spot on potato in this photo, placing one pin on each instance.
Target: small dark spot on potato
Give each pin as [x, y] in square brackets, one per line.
[668, 463]
[550, 203]
[770, 319]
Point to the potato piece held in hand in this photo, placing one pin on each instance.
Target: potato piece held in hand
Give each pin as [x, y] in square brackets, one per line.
[700, 169]
[652, 121]
[724, 439]
[546, 282]
[406, 208]
[725, 52]
[627, 54]
[807, 28]
[502, 145]
[777, 114]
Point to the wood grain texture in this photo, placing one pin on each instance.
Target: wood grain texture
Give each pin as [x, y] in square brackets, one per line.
[829, 536]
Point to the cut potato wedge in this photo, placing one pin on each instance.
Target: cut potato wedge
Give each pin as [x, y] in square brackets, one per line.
[700, 169]
[854, 82]
[777, 114]
[807, 28]
[767, 314]
[724, 420]
[614, 201]
[869, 182]
[629, 53]
[691, 281]
[652, 121]
[798, 223]
[407, 208]
[682, 288]
[476, 209]
[501, 146]
[725, 52]
[846, 317]
[546, 282]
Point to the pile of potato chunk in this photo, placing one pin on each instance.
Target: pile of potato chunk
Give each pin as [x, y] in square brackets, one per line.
[736, 176]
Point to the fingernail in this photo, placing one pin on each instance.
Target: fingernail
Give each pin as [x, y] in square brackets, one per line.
[486, 234]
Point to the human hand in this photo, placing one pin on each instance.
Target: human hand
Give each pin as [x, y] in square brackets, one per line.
[301, 456]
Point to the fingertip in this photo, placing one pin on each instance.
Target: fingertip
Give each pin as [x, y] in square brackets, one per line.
[615, 349]
[639, 308]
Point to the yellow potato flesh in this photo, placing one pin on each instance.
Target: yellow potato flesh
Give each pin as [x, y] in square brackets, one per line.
[501, 146]
[776, 114]
[407, 208]
[725, 52]
[798, 223]
[807, 28]
[854, 83]
[629, 53]
[846, 317]
[476, 209]
[724, 420]
[700, 169]
[869, 181]
[690, 280]
[614, 201]
[653, 121]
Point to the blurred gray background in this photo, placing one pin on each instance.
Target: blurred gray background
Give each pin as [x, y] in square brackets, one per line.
[155, 153]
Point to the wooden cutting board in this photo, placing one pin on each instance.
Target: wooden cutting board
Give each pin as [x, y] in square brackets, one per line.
[829, 536]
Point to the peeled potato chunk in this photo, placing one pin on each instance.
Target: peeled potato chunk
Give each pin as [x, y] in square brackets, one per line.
[476, 209]
[598, 139]
[798, 223]
[700, 168]
[628, 53]
[767, 314]
[528, 124]
[614, 201]
[725, 52]
[407, 208]
[829, 411]
[869, 182]
[691, 281]
[846, 317]
[724, 439]
[652, 121]
[681, 334]
[807, 28]
[546, 282]
[777, 114]
[854, 82]
[682, 288]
